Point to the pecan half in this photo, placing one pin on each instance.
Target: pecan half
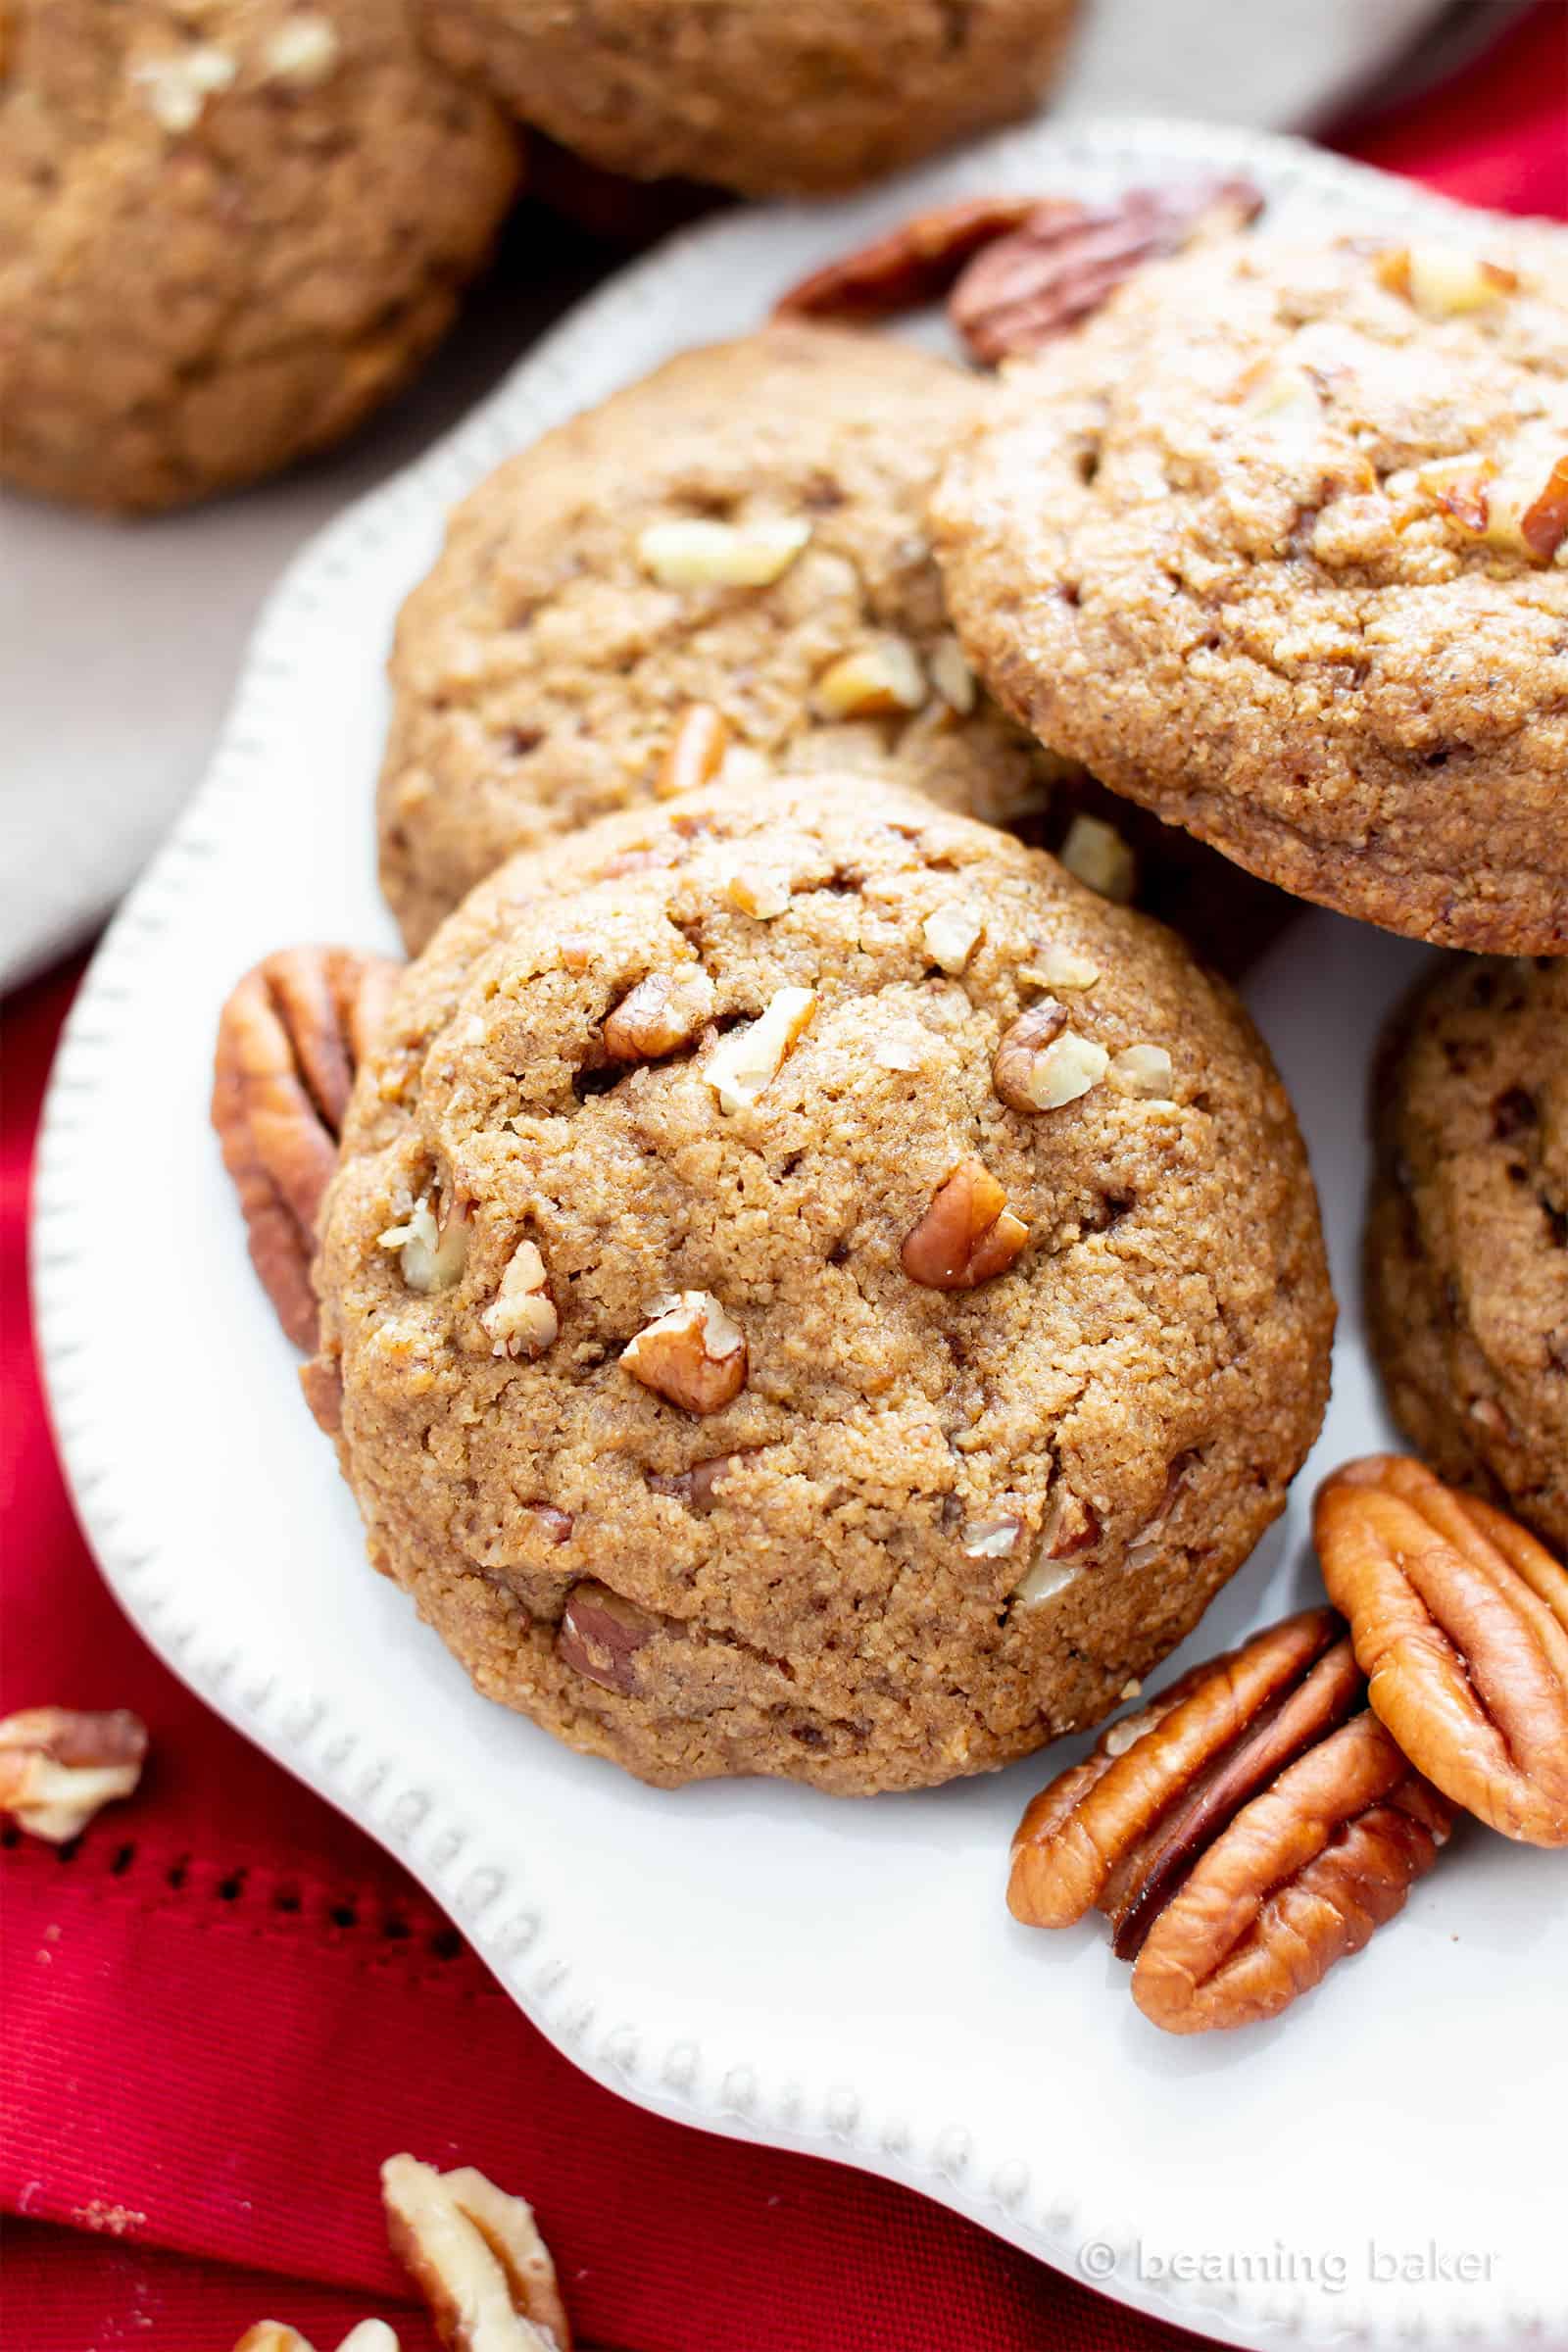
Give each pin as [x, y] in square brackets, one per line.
[1460, 1623]
[289, 1041]
[1301, 1878]
[1197, 1825]
[1065, 261]
[58, 1767]
[476, 2257]
[912, 265]
[968, 1235]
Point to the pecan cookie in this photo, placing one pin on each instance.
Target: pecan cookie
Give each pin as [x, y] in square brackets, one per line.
[1278, 545]
[764, 99]
[1468, 1240]
[815, 1290]
[723, 568]
[228, 228]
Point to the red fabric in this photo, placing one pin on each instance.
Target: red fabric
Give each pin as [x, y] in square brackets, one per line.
[225, 2006]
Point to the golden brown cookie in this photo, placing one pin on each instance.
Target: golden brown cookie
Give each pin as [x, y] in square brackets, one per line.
[1467, 1241]
[766, 99]
[741, 537]
[1278, 545]
[813, 1289]
[228, 229]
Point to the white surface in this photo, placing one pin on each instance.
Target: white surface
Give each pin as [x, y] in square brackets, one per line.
[120, 643]
[828, 1975]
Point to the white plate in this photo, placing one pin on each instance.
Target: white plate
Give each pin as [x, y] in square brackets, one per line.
[825, 1975]
[119, 645]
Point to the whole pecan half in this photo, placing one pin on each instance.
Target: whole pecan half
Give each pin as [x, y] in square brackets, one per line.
[1178, 1828]
[289, 1039]
[1063, 262]
[1460, 1623]
[1301, 1878]
[913, 264]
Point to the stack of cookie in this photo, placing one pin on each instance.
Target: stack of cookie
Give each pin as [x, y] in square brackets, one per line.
[232, 228]
[815, 1283]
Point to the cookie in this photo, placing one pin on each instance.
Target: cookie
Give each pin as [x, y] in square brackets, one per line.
[1467, 1241]
[740, 535]
[762, 99]
[228, 229]
[811, 1288]
[1278, 546]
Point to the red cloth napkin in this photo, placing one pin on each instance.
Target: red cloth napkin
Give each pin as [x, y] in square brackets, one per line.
[225, 2006]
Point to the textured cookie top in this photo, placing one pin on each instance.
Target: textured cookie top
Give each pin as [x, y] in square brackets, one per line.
[766, 98]
[1468, 1248]
[743, 531]
[227, 228]
[718, 1134]
[1279, 545]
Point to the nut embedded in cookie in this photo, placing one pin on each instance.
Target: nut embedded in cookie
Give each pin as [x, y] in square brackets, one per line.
[967, 1236]
[691, 1352]
[1460, 1622]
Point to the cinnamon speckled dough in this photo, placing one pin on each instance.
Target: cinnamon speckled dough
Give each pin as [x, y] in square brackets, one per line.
[1121, 1410]
[752, 95]
[1191, 548]
[228, 229]
[1467, 1242]
[539, 670]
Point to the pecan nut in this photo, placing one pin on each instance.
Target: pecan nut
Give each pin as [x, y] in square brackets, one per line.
[913, 264]
[1301, 1878]
[58, 1767]
[1063, 262]
[289, 1041]
[968, 1235]
[691, 1352]
[1460, 1623]
[600, 1634]
[476, 2258]
[1199, 1827]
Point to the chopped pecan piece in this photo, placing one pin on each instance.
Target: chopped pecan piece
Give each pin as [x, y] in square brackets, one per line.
[1242, 1833]
[476, 2257]
[1066, 260]
[698, 1488]
[289, 1041]
[910, 265]
[968, 1234]
[664, 1011]
[521, 1318]
[1543, 525]
[1460, 1623]
[696, 750]
[57, 1767]
[692, 1353]
[1443, 281]
[601, 1633]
